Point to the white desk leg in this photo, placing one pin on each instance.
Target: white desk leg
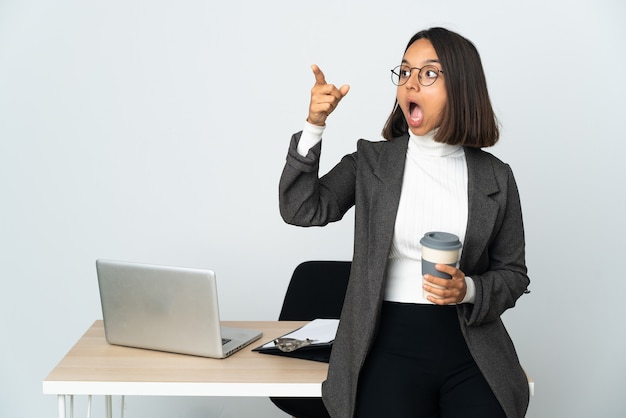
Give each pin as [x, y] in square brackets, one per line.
[109, 406]
[61, 406]
[71, 406]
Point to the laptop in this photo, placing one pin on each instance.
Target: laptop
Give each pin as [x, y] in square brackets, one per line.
[163, 308]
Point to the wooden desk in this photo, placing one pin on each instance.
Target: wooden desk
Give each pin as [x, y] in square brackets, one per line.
[94, 367]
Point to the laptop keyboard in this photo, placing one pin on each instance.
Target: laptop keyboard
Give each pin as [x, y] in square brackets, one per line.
[225, 341]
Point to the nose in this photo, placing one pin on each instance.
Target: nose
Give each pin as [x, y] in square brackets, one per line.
[413, 81]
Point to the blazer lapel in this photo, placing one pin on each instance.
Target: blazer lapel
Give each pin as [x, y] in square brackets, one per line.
[390, 165]
[385, 199]
[482, 210]
[389, 170]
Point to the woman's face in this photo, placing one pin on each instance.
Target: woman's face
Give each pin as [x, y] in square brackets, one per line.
[422, 106]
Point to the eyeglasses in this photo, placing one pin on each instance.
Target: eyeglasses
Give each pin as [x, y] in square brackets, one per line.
[426, 75]
[287, 345]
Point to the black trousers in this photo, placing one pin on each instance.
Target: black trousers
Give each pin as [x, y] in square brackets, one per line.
[420, 367]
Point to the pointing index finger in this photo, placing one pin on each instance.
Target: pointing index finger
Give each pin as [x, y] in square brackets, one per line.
[319, 75]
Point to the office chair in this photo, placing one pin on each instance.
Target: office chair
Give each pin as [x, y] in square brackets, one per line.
[316, 290]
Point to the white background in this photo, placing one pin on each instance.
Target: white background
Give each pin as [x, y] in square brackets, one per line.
[156, 131]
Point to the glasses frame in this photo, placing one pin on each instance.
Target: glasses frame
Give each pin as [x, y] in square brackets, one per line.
[395, 72]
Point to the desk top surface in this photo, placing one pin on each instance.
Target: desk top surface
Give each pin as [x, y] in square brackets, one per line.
[93, 366]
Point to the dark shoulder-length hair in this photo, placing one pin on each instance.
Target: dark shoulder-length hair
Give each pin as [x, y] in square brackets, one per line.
[468, 118]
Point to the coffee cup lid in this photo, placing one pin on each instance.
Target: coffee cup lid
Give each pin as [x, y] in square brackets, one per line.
[440, 241]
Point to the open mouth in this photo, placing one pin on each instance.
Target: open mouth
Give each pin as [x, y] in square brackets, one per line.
[416, 114]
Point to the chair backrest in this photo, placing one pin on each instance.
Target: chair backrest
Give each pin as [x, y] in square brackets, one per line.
[316, 290]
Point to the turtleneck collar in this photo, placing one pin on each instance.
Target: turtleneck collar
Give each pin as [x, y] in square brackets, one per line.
[428, 146]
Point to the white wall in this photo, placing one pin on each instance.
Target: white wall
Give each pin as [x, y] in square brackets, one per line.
[156, 131]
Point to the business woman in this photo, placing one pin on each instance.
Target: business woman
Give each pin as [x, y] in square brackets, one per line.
[398, 353]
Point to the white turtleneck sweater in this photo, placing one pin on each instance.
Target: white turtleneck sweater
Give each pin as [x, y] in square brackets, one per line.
[433, 198]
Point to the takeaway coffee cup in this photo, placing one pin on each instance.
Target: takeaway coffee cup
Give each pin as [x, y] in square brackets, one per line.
[439, 248]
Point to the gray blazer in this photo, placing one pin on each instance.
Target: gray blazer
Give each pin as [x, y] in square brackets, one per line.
[493, 255]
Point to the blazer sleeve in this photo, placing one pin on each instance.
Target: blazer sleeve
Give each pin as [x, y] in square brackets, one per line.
[305, 199]
[500, 275]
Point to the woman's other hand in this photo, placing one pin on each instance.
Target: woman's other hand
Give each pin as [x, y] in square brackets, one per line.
[453, 290]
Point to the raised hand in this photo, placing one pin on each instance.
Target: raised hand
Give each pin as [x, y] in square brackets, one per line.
[324, 98]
